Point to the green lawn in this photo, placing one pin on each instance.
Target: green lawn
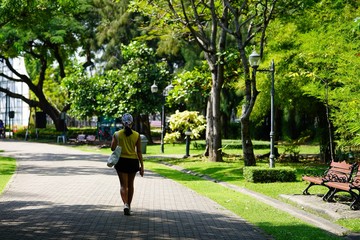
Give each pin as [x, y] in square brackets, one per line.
[230, 147]
[7, 169]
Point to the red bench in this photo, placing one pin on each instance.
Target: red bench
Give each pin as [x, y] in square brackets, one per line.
[337, 172]
[350, 187]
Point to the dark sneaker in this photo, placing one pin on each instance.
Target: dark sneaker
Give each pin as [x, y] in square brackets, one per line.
[126, 210]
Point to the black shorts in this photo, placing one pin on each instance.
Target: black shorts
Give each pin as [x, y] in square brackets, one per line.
[127, 165]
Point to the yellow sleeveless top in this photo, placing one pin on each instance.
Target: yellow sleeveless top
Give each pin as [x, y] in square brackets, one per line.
[127, 144]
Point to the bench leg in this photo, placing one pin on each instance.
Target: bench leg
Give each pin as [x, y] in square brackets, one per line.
[330, 195]
[327, 195]
[306, 192]
[355, 205]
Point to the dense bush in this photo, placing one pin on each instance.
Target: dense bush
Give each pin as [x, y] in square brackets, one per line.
[266, 175]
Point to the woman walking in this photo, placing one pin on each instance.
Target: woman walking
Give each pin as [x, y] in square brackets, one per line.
[131, 160]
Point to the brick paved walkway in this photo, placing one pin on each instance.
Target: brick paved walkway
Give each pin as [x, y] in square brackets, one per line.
[62, 193]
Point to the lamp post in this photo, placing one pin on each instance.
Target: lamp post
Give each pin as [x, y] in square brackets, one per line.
[254, 60]
[188, 134]
[165, 93]
[7, 111]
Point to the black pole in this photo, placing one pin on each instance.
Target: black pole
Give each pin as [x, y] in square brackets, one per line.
[187, 146]
[7, 119]
[162, 127]
[272, 120]
[272, 93]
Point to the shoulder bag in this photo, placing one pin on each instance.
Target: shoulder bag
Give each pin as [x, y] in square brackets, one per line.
[115, 155]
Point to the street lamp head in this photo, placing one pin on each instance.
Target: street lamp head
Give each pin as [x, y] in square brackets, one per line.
[254, 59]
[154, 88]
[168, 89]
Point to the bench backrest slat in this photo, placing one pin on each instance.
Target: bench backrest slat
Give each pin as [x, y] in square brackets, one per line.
[339, 172]
[356, 179]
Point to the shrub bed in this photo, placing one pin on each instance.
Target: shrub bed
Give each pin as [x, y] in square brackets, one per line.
[266, 175]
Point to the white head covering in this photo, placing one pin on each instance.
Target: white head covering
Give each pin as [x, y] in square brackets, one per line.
[127, 119]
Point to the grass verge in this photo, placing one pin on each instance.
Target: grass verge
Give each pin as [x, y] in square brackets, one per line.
[7, 169]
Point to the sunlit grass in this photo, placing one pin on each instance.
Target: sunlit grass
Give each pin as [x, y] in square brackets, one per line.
[230, 147]
[7, 169]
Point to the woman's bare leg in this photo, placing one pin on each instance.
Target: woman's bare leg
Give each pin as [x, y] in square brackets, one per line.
[123, 177]
[130, 178]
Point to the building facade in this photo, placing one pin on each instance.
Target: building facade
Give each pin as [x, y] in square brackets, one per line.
[14, 112]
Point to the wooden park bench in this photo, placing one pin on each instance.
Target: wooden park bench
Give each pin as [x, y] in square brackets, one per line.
[83, 139]
[337, 172]
[350, 187]
[90, 139]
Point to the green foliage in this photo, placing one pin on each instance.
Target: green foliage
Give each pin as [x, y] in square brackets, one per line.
[316, 54]
[88, 95]
[48, 35]
[234, 130]
[118, 26]
[118, 91]
[266, 175]
[141, 69]
[180, 122]
[292, 148]
[192, 88]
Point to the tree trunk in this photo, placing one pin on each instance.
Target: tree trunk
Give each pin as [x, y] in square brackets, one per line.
[215, 148]
[208, 126]
[145, 129]
[250, 97]
[55, 115]
[247, 146]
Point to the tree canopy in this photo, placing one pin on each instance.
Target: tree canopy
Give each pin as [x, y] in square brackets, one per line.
[316, 54]
[118, 91]
[48, 34]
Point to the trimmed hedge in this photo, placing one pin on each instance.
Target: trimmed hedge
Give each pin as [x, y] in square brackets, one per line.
[51, 133]
[266, 175]
[233, 146]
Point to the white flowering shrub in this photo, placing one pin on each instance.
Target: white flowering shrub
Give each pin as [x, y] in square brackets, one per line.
[180, 122]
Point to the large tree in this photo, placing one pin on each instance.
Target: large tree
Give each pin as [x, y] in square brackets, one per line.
[48, 35]
[127, 89]
[248, 25]
[209, 24]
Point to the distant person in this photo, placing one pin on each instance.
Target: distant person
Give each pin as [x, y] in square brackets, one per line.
[2, 129]
[130, 161]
